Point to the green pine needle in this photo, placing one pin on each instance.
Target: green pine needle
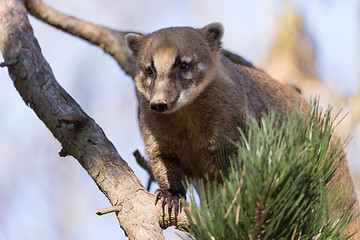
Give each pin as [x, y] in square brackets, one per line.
[275, 186]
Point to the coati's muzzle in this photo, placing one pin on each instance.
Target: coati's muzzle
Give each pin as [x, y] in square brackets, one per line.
[163, 95]
[159, 106]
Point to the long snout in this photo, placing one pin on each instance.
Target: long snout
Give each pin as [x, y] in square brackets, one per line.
[163, 95]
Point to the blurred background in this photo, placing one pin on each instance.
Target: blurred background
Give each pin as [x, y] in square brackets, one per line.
[312, 44]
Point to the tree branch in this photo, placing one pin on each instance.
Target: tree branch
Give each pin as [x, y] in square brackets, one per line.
[111, 41]
[78, 134]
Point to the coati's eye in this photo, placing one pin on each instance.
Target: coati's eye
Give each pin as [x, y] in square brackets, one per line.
[184, 66]
[149, 71]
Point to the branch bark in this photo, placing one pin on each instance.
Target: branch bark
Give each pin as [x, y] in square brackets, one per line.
[78, 134]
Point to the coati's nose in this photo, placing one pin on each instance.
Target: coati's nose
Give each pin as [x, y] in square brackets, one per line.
[158, 106]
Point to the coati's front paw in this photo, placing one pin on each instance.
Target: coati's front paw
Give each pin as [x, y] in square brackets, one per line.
[169, 198]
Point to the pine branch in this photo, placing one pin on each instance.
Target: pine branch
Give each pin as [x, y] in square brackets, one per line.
[278, 185]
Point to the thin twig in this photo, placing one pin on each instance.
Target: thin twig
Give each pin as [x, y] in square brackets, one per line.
[110, 209]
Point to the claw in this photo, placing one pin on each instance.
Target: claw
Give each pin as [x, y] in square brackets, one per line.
[170, 199]
[158, 196]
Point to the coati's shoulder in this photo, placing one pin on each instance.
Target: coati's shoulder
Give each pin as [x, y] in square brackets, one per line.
[262, 91]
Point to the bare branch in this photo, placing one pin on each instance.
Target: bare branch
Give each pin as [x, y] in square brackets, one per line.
[78, 134]
[111, 41]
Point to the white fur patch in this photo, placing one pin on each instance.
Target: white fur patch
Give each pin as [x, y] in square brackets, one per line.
[148, 65]
[148, 82]
[189, 95]
[202, 66]
[141, 88]
[185, 59]
[186, 96]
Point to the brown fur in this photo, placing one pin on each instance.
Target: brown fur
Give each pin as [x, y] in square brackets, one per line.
[184, 142]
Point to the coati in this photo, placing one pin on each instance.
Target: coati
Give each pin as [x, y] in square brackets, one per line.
[191, 96]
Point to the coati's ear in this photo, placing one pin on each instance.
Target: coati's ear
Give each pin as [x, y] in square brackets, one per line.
[213, 33]
[132, 42]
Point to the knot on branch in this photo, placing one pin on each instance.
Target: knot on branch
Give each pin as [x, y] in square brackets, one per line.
[75, 121]
[71, 126]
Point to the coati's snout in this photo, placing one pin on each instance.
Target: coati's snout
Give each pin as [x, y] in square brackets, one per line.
[158, 106]
[164, 94]
[175, 65]
[158, 103]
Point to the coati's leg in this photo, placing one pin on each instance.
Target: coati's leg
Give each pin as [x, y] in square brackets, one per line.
[169, 176]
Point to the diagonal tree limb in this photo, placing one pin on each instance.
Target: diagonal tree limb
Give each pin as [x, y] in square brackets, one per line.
[78, 134]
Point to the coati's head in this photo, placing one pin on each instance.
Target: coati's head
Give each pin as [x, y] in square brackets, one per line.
[174, 65]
